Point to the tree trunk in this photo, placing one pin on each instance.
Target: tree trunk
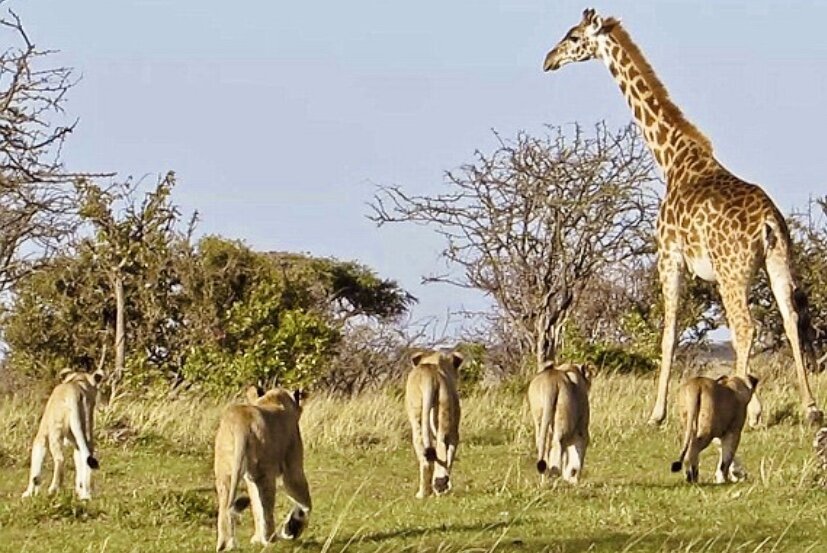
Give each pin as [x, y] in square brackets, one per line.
[544, 341]
[120, 335]
[540, 352]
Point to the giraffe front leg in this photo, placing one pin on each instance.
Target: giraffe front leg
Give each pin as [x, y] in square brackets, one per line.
[670, 268]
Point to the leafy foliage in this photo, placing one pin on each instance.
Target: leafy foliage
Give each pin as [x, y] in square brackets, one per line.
[214, 314]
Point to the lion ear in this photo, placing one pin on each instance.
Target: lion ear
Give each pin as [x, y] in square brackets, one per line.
[753, 380]
[549, 364]
[586, 370]
[722, 379]
[299, 396]
[457, 359]
[98, 376]
[416, 358]
[252, 393]
[64, 373]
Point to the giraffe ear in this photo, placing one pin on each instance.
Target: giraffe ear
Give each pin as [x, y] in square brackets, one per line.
[596, 23]
[591, 19]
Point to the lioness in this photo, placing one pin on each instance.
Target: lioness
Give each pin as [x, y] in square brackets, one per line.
[68, 420]
[261, 441]
[432, 402]
[559, 402]
[713, 409]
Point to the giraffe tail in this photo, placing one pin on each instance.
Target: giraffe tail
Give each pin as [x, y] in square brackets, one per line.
[806, 332]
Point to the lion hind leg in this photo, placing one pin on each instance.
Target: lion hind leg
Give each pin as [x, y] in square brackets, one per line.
[426, 466]
[729, 443]
[446, 449]
[256, 508]
[226, 521]
[226, 514]
[56, 449]
[737, 472]
[38, 456]
[81, 476]
[426, 472]
[450, 455]
[575, 457]
[295, 485]
[262, 491]
[696, 445]
[555, 455]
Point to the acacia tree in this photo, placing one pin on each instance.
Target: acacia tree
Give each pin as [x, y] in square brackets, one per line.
[533, 222]
[37, 200]
[133, 243]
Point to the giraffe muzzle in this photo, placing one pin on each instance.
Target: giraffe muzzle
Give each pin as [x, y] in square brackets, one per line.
[550, 63]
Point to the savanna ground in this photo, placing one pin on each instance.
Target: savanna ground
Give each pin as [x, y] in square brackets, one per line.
[154, 490]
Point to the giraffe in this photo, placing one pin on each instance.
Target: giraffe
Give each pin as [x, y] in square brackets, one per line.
[710, 222]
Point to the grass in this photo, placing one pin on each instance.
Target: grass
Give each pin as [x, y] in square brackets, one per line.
[154, 491]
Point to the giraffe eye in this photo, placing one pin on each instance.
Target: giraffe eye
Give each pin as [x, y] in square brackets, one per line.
[574, 38]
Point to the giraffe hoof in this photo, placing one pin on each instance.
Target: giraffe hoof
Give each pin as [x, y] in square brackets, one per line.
[814, 416]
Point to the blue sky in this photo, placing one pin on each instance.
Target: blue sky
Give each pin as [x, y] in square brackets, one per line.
[280, 118]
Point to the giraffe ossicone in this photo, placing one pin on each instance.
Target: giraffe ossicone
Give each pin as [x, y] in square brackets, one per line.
[717, 226]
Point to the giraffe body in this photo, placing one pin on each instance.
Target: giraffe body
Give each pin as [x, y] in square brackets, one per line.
[711, 223]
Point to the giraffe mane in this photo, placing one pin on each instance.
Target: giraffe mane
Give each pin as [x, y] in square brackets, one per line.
[672, 111]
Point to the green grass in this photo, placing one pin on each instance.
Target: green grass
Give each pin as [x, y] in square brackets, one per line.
[154, 490]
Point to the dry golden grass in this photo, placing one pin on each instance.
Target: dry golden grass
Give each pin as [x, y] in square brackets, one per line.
[154, 491]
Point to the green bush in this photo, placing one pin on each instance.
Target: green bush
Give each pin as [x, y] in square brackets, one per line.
[640, 357]
[293, 352]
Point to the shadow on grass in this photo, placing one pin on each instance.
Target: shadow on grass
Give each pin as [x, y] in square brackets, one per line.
[613, 541]
[407, 533]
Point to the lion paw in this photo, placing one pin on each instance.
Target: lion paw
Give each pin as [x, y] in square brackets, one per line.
[814, 416]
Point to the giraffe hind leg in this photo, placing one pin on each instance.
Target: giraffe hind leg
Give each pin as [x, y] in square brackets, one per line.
[734, 292]
[792, 303]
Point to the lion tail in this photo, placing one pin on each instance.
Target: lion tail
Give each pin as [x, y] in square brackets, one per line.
[76, 426]
[428, 401]
[234, 504]
[693, 405]
[545, 429]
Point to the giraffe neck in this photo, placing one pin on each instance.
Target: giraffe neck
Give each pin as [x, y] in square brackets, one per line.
[678, 146]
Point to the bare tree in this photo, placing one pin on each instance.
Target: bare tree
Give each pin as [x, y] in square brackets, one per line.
[530, 224]
[37, 200]
[373, 353]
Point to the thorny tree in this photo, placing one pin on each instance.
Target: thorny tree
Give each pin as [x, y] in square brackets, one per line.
[36, 194]
[530, 224]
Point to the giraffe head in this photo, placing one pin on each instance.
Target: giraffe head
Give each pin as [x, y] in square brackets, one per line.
[581, 42]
